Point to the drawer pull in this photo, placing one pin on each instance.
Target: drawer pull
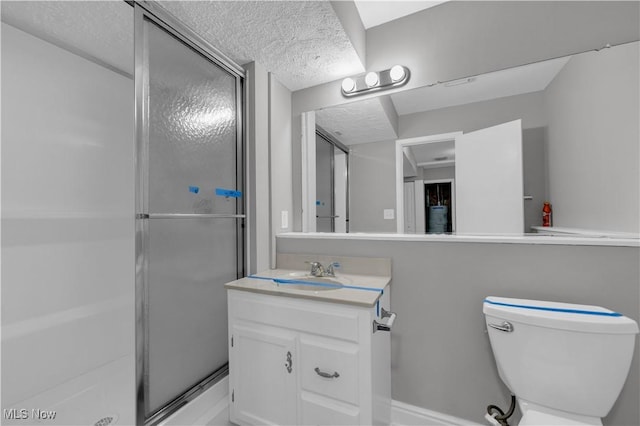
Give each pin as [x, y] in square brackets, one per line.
[321, 373]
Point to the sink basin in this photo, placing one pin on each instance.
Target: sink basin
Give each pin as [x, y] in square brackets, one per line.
[304, 281]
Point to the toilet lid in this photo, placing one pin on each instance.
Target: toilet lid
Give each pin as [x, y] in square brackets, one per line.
[565, 316]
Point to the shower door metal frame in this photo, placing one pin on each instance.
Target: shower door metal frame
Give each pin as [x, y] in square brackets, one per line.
[151, 11]
[335, 144]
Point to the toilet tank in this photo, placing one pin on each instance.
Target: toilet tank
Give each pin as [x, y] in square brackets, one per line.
[564, 356]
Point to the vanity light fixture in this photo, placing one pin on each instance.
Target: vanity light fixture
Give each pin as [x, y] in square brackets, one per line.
[397, 73]
[372, 81]
[348, 84]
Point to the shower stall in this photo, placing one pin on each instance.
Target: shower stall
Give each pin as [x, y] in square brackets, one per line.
[189, 210]
[129, 128]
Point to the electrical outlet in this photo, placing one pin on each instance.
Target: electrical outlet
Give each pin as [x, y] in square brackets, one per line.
[389, 213]
[284, 219]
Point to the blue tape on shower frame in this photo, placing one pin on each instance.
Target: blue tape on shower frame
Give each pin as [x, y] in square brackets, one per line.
[548, 309]
[221, 192]
[314, 283]
[194, 189]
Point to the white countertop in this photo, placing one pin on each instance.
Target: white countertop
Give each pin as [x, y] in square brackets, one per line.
[542, 239]
[367, 294]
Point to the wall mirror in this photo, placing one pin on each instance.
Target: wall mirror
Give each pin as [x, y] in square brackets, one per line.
[578, 149]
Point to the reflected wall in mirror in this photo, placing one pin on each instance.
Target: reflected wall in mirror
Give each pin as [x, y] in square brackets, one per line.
[580, 140]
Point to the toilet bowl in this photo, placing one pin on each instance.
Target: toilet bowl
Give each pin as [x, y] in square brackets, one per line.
[565, 363]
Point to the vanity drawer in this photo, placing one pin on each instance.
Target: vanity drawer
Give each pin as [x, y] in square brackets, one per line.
[325, 319]
[317, 410]
[330, 368]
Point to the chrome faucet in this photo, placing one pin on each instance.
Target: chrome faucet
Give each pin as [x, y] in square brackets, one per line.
[330, 271]
[317, 270]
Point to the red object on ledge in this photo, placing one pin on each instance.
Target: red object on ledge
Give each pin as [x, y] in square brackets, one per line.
[546, 214]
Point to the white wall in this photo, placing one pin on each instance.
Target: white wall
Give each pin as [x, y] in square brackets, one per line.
[280, 158]
[592, 108]
[68, 234]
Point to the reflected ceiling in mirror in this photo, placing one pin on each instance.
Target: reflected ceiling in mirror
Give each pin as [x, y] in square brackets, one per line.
[369, 121]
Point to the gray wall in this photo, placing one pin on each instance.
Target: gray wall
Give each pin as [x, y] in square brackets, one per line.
[442, 43]
[372, 186]
[347, 13]
[441, 356]
[438, 173]
[534, 175]
[280, 158]
[475, 116]
[593, 109]
[513, 33]
[257, 187]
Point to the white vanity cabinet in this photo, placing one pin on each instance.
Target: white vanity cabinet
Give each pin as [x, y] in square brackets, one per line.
[295, 361]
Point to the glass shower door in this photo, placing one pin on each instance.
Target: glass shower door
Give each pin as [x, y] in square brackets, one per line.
[191, 223]
[324, 186]
[332, 184]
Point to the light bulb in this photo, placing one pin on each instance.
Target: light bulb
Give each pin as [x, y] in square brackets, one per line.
[397, 73]
[371, 79]
[348, 85]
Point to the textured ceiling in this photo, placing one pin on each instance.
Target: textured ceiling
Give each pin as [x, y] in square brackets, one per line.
[357, 122]
[301, 42]
[102, 29]
[428, 152]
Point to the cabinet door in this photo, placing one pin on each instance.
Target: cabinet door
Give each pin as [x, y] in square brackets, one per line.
[262, 369]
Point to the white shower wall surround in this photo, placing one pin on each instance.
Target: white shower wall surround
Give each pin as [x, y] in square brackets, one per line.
[68, 236]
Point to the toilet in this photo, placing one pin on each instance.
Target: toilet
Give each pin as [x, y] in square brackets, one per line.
[565, 363]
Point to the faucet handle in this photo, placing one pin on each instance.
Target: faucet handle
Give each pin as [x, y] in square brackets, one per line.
[330, 269]
[316, 269]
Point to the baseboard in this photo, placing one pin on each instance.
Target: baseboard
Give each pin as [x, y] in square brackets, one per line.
[403, 414]
[204, 408]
